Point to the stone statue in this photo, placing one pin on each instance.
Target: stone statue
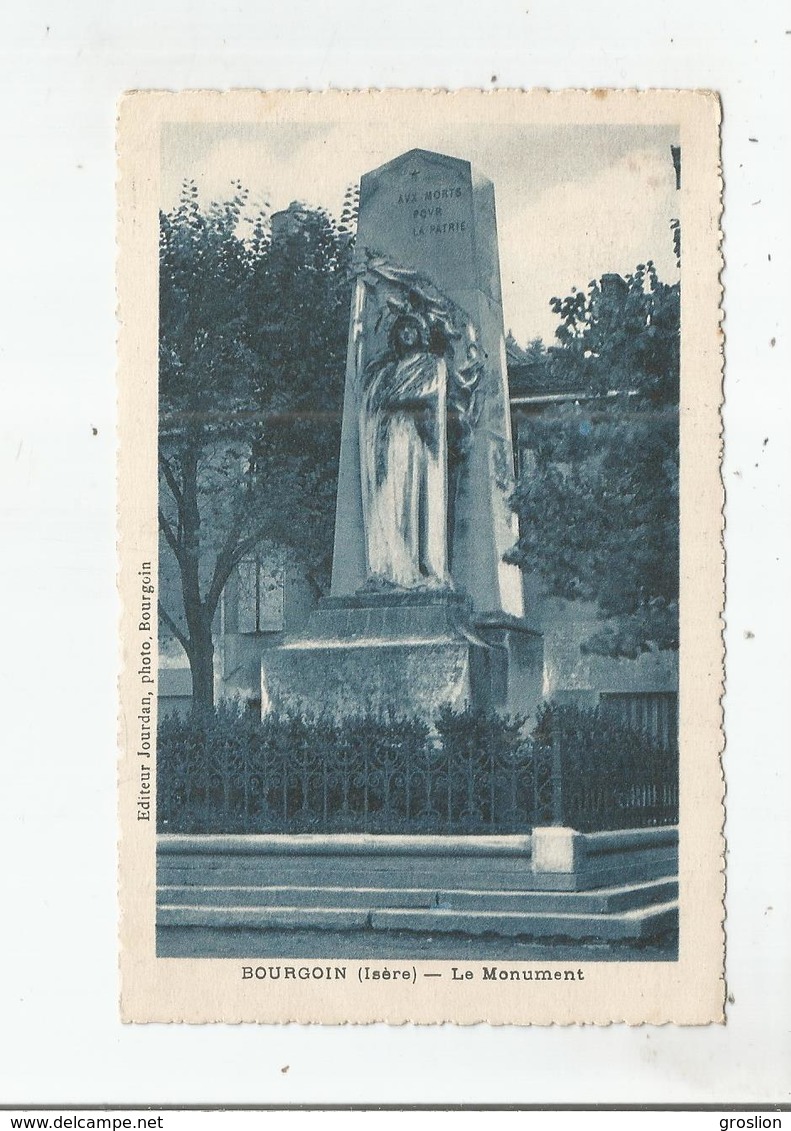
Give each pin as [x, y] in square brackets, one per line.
[417, 411]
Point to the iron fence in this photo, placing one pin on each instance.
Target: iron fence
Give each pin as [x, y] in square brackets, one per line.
[395, 778]
[593, 773]
[469, 775]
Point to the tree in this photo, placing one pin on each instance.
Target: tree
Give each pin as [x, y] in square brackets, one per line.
[251, 361]
[620, 335]
[598, 503]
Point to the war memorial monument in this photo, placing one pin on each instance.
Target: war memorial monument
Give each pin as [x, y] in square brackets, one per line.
[423, 610]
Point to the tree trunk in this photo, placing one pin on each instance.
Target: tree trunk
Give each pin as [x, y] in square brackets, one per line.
[202, 668]
[197, 614]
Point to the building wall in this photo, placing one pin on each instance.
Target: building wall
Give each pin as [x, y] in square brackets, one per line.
[256, 615]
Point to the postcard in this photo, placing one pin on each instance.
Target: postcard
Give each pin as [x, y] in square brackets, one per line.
[420, 557]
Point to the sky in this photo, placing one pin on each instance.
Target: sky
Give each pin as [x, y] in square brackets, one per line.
[573, 202]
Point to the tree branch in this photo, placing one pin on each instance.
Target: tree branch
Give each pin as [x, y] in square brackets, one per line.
[170, 537]
[182, 638]
[171, 480]
[227, 559]
[247, 545]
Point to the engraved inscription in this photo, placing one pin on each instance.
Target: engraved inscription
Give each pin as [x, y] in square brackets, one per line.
[429, 218]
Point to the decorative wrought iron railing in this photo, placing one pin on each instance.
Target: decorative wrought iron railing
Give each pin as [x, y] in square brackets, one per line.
[593, 773]
[469, 774]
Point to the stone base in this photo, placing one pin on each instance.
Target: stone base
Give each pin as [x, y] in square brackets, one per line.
[408, 653]
[376, 653]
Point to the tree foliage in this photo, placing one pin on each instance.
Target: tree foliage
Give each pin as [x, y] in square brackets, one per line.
[251, 364]
[598, 500]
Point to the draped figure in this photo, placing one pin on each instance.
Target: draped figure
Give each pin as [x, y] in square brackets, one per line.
[417, 409]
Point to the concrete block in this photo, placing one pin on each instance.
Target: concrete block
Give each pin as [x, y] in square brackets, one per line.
[557, 849]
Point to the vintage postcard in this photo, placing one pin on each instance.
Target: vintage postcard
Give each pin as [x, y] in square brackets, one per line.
[420, 557]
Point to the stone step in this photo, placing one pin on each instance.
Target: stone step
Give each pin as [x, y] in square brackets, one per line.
[639, 923]
[624, 897]
[481, 873]
[601, 901]
[265, 918]
[634, 924]
[296, 896]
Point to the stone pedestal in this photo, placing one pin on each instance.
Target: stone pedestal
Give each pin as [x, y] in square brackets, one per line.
[410, 653]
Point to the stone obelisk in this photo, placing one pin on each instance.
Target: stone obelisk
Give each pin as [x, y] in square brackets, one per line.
[433, 215]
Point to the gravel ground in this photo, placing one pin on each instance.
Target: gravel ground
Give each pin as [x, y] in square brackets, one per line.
[196, 942]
